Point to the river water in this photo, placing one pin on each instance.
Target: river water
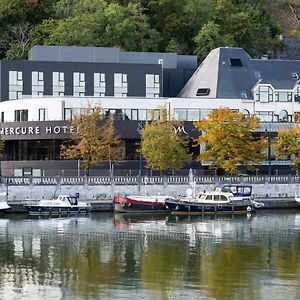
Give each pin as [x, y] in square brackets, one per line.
[106, 256]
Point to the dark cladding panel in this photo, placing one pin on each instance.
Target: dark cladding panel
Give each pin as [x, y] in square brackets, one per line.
[61, 130]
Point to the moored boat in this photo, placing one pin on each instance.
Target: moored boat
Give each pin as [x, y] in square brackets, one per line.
[135, 204]
[64, 204]
[4, 207]
[223, 199]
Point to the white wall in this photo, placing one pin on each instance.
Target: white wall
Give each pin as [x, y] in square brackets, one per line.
[92, 191]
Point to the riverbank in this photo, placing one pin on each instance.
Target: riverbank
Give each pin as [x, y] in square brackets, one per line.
[106, 205]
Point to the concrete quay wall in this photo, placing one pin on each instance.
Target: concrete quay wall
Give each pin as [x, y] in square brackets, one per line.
[36, 192]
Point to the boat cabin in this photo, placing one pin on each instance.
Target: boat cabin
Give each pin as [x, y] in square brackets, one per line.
[235, 189]
[215, 196]
[67, 198]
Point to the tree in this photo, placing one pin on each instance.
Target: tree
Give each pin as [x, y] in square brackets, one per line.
[288, 144]
[163, 148]
[92, 141]
[229, 140]
[210, 37]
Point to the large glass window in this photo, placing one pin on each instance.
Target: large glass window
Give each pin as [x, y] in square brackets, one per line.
[265, 116]
[264, 94]
[21, 115]
[204, 113]
[283, 96]
[180, 114]
[193, 115]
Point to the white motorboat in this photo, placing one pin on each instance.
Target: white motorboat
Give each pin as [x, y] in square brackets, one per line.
[64, 204]
[3, 203]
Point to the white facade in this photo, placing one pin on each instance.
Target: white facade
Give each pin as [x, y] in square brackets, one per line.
[185, 109]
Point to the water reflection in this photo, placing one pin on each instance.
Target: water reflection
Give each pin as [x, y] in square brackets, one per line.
[151, 256]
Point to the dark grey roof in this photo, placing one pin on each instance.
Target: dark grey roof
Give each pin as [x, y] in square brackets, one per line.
[111, 55]
[226, 81]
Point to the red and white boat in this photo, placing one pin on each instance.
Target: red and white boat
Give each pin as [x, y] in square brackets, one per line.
[136, 204]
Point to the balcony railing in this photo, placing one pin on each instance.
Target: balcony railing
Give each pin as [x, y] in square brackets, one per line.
[146, 180]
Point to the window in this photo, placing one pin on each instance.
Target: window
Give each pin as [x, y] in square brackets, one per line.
[246, 112]
[42, 114]
[235, 62]
[2, 116]
[120, 85]
[193, 115]
[265, 116]
[78, 84]
[15, 87]
[99, 84]
[37, 80]
[21, 115]
[264, 94]
[68, 114]
[180, 114]
[204, 113]
[203, 92]
[58, 88]
[283, 96]
[283, 116]
[152, 85]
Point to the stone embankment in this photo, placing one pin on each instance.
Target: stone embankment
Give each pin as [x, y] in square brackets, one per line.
[274, 193]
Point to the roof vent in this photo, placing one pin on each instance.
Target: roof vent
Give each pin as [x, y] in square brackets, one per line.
[235, 62]
[203, 92]
[295, 76]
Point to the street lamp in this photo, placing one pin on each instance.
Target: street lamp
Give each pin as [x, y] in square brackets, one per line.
[139, 130]
[269, 154]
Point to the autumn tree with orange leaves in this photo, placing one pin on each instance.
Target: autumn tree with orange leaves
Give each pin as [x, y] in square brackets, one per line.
[94, 139]
[288, 144]
[229, 140]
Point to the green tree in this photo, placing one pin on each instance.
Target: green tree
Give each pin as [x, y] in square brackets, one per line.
[163, 148]
[288, 144]
[92, 141]
[17, 17]
[229, 140]
[210, 37]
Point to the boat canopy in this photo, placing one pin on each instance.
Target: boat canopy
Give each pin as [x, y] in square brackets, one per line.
[235, 189]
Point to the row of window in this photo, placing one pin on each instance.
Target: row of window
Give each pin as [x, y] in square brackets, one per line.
[265, 93]
[151, 114]
[58, 84]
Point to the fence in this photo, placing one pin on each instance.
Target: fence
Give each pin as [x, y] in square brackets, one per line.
[146, 180]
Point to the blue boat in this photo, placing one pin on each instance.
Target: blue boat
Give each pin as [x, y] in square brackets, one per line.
[227, 198]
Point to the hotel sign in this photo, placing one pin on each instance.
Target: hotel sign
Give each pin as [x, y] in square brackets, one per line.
[36, 130]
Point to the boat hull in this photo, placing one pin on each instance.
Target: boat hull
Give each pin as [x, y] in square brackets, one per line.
[184, 207]
[130, 205]
[51, 210]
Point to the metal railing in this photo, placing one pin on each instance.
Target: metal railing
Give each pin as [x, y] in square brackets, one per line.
[147, 180]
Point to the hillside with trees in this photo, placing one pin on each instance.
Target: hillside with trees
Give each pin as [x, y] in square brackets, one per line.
[182, 26]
